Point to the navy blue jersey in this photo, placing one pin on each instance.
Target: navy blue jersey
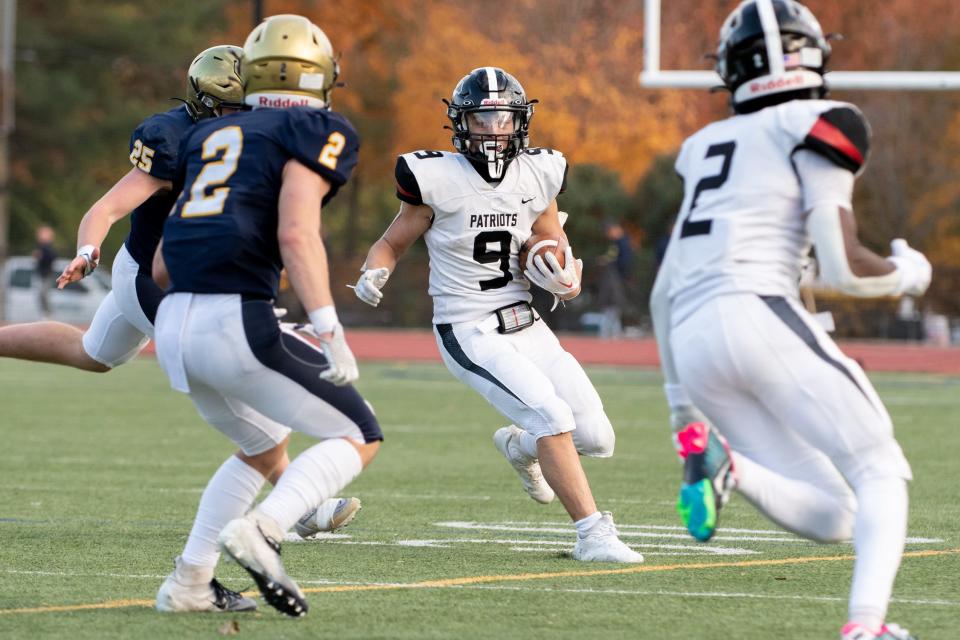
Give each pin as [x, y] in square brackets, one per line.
[221, 236]
[153, 149]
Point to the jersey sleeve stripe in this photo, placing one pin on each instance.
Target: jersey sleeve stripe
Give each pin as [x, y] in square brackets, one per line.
[828, 134]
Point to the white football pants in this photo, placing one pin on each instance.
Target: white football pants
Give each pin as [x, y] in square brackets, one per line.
[123, 323]
[250, 380]
[784, 395]
[530, 379]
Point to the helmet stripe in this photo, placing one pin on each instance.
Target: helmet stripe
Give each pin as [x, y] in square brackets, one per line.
[492, 82]
[771, 36]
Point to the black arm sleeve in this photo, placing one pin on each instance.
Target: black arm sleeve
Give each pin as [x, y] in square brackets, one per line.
[408, 189]
[842, 135]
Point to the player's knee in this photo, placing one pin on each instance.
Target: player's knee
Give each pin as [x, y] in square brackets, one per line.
[837, 525]
[594, 435]
[553, 418]
[883, 460]
[367, 450]
[93, 366]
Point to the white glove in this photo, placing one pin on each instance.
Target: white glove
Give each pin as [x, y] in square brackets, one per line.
[343, 366]
[550, 276]
[279, 312]
[369, 285]
[914, 268]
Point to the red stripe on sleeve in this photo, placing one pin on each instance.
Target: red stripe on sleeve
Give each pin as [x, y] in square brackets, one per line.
[404, 191]
[829, 134]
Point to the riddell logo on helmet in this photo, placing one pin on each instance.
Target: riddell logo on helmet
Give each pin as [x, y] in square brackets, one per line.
[776, 84]
[494, 101]
[264, 101]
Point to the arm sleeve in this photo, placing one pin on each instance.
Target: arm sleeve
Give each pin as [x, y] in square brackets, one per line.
[408, 189]
[153, 148]
[826, 189]
[841, 135]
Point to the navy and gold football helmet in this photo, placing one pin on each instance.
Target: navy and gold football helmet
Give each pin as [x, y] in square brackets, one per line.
[213, 81]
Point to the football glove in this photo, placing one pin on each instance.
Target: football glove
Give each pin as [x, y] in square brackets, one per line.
[914, 268]
[369, 285]
[550, 276]
[342, 368]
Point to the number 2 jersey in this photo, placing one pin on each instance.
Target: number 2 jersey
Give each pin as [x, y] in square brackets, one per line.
[742, 225]
[477, 228]
[221, 236]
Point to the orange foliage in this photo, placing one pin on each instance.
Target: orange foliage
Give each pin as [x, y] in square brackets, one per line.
[581, 59]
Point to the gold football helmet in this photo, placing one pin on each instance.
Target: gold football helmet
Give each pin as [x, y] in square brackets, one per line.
[214, 81]
[287, 61]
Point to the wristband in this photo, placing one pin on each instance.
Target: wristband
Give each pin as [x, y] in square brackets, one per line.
[324, 319]
[676, 396]
[86, 252]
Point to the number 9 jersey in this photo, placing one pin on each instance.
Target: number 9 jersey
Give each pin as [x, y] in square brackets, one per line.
[477, 228]
[221, 236]
[742, 225]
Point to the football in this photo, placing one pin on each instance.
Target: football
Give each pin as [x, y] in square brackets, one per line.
[541, 245]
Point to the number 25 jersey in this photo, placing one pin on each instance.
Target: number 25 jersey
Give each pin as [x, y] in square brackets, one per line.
[477, 228]
[221, 236]
[742, 225]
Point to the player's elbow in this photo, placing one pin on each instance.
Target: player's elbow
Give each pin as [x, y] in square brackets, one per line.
[293, 238]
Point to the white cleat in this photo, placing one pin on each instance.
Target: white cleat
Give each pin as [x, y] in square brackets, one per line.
[253, 542]
[505, 439]
[188, 589]
[331, 515]
[602, 544]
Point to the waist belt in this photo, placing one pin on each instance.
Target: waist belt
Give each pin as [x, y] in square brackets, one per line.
[509, 319]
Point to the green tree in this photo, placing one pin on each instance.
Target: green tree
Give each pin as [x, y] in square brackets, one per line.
[87, 74]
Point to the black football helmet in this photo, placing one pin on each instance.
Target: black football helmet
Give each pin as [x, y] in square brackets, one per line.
[491, 117]
[754, 36]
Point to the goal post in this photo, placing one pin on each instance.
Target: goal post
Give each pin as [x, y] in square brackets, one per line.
[654, 77]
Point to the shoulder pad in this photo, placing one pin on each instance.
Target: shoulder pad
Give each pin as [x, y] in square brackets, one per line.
[324, 141]
[842, 135]
[408, 189]
[154, 146]
[553, 166]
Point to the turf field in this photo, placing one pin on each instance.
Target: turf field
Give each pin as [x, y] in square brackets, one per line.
[101, 475]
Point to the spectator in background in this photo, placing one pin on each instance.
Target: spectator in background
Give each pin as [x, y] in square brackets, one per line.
[44, 255]
[615, 267]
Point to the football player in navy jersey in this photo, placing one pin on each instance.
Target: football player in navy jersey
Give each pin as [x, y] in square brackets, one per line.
[475, 208]
[808, 440]
[253, 187]
[123, 323]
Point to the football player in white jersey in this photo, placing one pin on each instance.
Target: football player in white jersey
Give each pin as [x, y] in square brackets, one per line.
[809, 442]
[475, 208]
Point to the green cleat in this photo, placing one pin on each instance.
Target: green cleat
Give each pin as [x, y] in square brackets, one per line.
[708, 478]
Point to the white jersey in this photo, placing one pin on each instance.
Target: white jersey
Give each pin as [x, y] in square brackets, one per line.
[742, 227]
[477, 229]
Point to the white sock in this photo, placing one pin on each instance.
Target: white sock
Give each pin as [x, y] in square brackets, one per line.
[584, 525]
[318, 473]
[799, 507]
[879, 536]
[229, 494]
[528, 444]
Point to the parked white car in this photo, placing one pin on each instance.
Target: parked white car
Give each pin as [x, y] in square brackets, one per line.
[75, 304]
